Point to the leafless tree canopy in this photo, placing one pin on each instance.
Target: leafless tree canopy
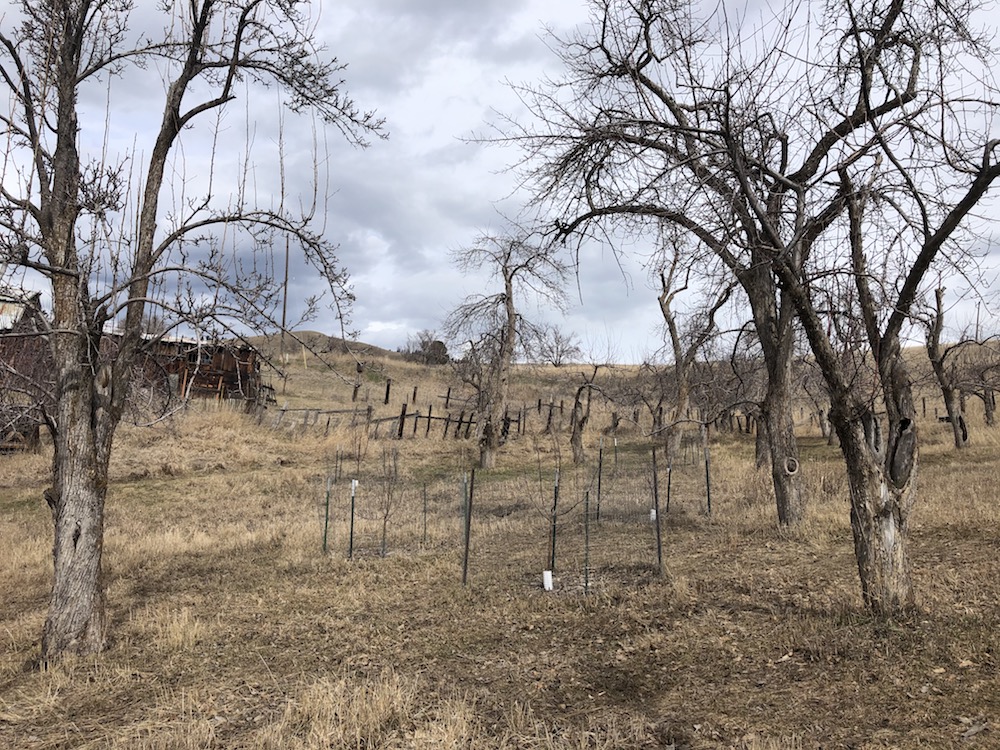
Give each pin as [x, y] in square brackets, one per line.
[492, 328]
[109, 229]
[555, 346]
[831, 147]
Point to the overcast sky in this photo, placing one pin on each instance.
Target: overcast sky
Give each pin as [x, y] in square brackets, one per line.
[436, 69]
[438, 72]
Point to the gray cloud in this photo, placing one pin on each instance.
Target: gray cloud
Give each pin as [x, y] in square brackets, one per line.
[435, 69]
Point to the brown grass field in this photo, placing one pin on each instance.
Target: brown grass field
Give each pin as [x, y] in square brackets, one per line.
[233, 629]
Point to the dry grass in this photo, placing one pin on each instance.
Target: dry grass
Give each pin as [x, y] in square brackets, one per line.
[233, 629]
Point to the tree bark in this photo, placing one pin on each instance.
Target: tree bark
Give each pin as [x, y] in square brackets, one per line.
[675, 434]
[772, 314]
[760, 444]
[77, 621]
[580, 417]
[953, 405]
[824, 423]
[488, 443]
[881, 483]
[84, 427]
[881, 467]
[783, 447]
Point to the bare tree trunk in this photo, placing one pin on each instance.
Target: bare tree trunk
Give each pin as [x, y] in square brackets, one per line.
[824, 423]
[881, 496]
[489, 440]
[956, 417]
[783, 448]
[76, 621]
[881, 468]
[674, 432]
[498, 377]
[953, 404]
[761, 451]
[581, 415]
[576, 443]
[772, 314]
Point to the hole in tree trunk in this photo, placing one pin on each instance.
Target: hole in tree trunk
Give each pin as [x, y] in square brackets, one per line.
[903, 450]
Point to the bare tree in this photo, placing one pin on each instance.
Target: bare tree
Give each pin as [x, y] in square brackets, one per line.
[980, 373]
[946, 371]
[26, 382]
[675, 268]
[634, 137]
[492, 326]
[901, 172]
[580, 415]
[426, 348]
[556, 346]
[846, 147]
[89, 225]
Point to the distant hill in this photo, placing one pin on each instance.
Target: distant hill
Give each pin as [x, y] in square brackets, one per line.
[270, 346]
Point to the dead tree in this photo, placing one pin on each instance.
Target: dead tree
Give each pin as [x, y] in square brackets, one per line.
[580, 415]
[491, 326]
[980, 373]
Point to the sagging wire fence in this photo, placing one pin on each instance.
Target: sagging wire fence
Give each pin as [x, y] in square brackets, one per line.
[561, 526]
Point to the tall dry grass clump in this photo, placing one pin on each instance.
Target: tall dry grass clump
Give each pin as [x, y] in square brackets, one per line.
[346, 713]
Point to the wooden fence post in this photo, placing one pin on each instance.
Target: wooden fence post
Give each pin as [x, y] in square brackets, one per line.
[402, 422]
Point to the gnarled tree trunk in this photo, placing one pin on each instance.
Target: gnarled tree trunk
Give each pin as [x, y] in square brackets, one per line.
[776, 412]
[85, 422]
[881, 476]
[76, 621]
[580, 417]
